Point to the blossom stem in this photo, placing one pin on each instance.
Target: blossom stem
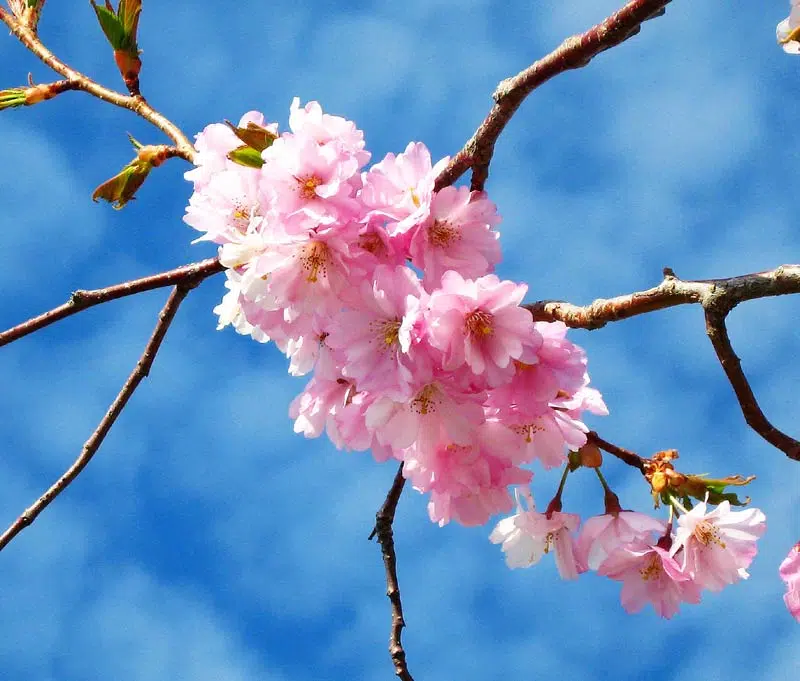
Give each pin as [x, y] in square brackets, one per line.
[555, 503]
[610, 499]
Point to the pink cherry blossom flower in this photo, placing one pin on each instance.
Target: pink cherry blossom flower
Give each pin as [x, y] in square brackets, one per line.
[466, 483]
[787, 33]
[310, 122]
[527, 535]
[602, 534]
[228, 207]
[457, 235]
[480, 323]
[544, 437]
[435, 413]
[375, 337]
[790, 573]
[649, 574]
[718, 545]
[307, 272]
[315, 408]
[320, 181]
[400, 187]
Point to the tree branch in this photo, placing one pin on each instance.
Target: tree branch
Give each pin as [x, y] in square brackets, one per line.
[672, 291]
[717, 297]
[624, 455]
[187, 275]
[28, 37]
[91, 446]
[575, 52]
[384, 519]
[718, 334]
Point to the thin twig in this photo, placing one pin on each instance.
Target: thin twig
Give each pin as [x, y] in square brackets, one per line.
[91, 446]
[575, 52]
[718, 334]
[28, 37]
[192, 274]
[625, 455]
[383, 530]
[670, 292]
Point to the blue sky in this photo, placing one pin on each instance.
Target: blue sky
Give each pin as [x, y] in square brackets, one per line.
[206, 541]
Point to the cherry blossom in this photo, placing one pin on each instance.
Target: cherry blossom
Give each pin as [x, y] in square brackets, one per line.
[527, 535]
[601, 535]
[439, 366]
[458, 235]
[717, 546]
[790, 573]
[649, 574]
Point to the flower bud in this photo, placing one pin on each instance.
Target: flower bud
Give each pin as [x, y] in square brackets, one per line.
[591, 456]
[120, 28]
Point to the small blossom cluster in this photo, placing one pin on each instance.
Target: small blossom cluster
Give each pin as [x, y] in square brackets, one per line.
[708, 550]
[382, 289]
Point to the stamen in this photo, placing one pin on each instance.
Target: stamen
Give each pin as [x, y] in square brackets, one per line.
[652, 570]
[479, 323]
[427, 400]
[308, 186]
[707, 533]
[314, 260]
[442, 234]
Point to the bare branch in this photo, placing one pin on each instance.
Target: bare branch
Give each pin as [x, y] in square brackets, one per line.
[718, 334]
[716, 293]
[624, 455]
[383, 530]
[28, 37]
[717, 297]
[575, 52]
[187, 275]
[91, 446]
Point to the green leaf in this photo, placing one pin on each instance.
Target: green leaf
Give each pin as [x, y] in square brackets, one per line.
[11, 98]
[246, 156]
[111, 25]
[121, 188]
[128, 14]
[253, 135]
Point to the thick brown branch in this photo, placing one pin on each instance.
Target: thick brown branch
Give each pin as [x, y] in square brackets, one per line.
[717, 293]
[187, 275]
[717, 297]
[573, 53]
[91, 446]
[718, 334]
[28, 37]
[624, 455]
[383, 530]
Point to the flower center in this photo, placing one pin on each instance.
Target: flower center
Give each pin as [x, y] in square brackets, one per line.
[372, 243]
[442, 234]
[652, 570]
[427, 400]
[308, 186]
[314, 260]
[527, 430]
[414, 198]
[390, 331]
[479, 323]
[707, 533]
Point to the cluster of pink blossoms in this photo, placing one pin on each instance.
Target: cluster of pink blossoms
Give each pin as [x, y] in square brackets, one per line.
[381, 288]
[709, 550]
